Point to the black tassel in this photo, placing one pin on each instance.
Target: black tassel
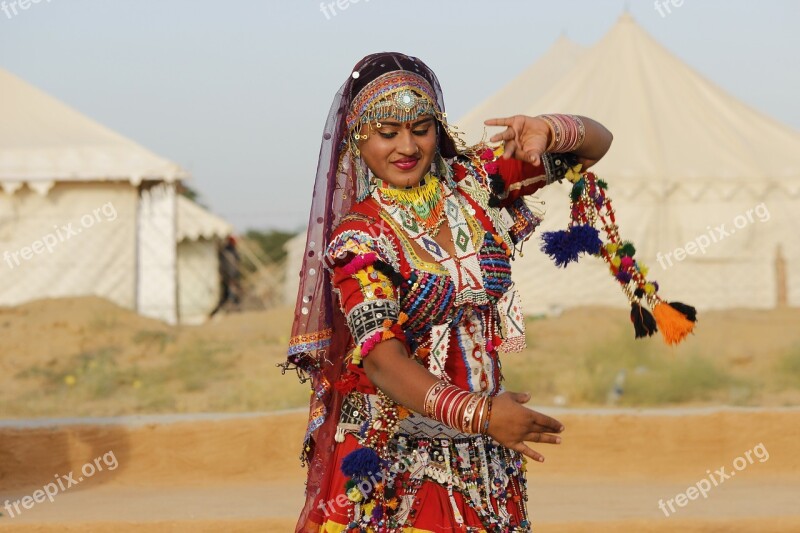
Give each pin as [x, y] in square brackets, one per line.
[687, 310]
[494, 201]
[639, 292]
[643, 322]
[387, 270]
[497, 184]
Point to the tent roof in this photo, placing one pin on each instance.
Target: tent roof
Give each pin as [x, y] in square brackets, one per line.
[670, 124]
[43, 140]
[528, 86]
[196, 223]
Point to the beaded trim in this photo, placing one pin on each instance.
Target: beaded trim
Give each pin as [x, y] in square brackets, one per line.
[366, 318]
[556, 166]
[360, 243]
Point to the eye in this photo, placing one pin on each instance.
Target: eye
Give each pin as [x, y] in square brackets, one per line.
[421, 133]
[389, 135]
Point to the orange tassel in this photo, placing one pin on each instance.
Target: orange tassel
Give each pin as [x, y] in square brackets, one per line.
[673, 324]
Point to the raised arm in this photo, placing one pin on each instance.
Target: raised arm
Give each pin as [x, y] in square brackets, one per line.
[527, 138]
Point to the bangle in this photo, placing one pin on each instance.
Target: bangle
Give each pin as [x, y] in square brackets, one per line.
[554, 136]
[485, 428]
[430, 397]
[477, 422]
[568, 132]
[455, 407]
[469, 413]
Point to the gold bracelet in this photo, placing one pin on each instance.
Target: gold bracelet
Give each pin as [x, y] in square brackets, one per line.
[430, 397]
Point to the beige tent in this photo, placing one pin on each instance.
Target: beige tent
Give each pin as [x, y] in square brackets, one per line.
[83, 210]
[691, 167]
[199, 234]
[530, 85]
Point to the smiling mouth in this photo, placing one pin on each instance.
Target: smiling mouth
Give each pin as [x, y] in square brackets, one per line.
[405, 164]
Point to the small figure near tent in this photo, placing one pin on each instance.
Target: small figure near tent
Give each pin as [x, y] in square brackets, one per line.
[230, 276]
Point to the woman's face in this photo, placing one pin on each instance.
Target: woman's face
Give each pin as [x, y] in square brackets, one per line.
[400, 153]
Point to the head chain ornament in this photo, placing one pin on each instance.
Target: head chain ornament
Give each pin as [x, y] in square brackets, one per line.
[404, 96]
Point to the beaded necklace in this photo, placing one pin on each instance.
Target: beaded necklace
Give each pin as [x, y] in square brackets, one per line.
[463, 267]
[424, 201]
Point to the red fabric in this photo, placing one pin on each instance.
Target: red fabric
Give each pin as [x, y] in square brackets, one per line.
[514, 171]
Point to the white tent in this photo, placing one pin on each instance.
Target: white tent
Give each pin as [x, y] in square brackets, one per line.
[83, 210]
[199, 234]
[689, 164]
[528, 86]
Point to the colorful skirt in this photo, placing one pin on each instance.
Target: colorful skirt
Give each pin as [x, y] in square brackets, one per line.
[430, 479]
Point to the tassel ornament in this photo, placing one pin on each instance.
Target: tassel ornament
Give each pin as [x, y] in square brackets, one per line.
[673, 324]
[591, 214]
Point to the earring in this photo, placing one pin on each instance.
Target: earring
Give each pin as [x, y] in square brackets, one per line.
[363, 179]
[442, 170]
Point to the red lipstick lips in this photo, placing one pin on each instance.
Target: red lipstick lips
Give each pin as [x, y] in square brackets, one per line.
[405, 164]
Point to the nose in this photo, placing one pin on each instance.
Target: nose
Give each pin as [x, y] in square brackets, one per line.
[407, 143]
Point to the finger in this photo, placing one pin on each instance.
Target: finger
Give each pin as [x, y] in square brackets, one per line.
[533, 156]
[505, 135]
[534, 427]
[545, 438]
[509, 149]
[551, 424]
[522, 448]
[506, 121]
[521, 397]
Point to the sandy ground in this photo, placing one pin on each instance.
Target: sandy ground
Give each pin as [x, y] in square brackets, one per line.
[241, 473]
[85, 357]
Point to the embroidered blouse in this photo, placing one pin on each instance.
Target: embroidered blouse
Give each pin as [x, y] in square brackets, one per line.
[452, 314]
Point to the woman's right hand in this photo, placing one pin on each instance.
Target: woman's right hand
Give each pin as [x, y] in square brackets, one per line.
[512, 424]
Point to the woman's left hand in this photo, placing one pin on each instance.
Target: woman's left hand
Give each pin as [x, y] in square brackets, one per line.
[526, 138]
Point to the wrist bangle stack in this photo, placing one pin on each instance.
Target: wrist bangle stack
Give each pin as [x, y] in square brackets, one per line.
[459, 409]
[567, 132]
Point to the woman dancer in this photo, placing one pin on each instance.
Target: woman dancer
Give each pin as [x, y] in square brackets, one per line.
[405, 300]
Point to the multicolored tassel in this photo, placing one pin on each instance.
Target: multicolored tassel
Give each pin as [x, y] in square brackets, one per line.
[591, 209]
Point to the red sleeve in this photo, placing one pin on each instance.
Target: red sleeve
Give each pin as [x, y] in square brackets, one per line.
[519, 178]
[368, 298]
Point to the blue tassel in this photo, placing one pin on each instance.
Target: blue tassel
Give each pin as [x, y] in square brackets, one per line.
[586, 238]
[362, 462]
[558, 245]
[565, 247]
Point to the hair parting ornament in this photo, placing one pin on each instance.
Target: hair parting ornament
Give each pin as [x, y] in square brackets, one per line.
[591, 209]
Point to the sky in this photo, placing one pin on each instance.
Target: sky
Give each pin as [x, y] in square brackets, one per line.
[237, 92]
